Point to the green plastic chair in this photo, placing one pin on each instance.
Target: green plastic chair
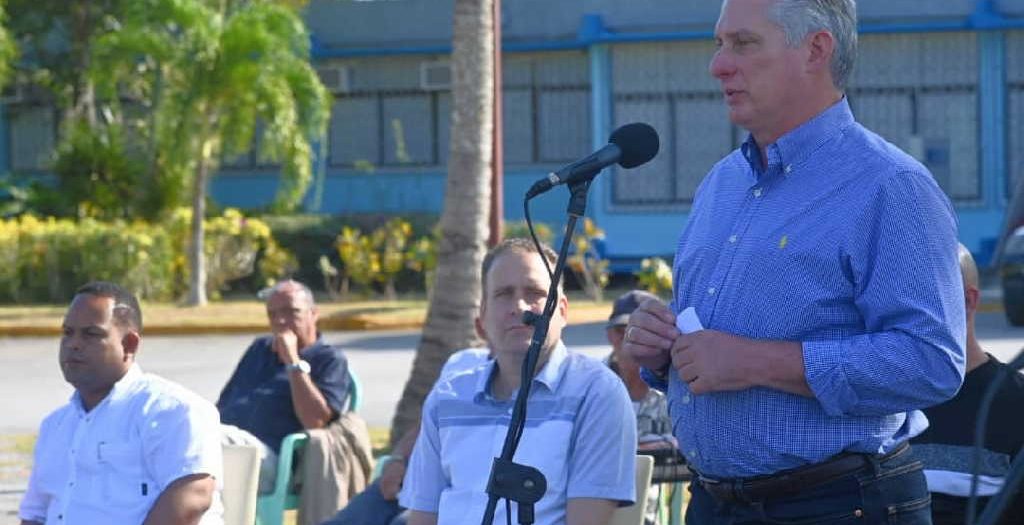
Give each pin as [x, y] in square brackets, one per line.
[270, 507]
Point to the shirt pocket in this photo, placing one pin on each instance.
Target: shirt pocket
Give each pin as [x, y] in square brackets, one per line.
[124, 481]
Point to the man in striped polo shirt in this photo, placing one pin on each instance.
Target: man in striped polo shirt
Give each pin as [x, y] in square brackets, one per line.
[580, 430]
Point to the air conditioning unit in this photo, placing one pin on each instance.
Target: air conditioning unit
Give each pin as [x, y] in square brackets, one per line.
[337, 79]
[435, 76]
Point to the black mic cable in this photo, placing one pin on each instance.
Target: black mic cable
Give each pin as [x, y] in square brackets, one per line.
[980, 426]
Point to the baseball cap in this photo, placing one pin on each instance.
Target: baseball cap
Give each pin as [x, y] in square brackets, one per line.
[625, 305]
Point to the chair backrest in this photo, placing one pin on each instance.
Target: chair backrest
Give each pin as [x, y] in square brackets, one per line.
[241, 482]
[634, 514]
[355, 391]
[270, 507]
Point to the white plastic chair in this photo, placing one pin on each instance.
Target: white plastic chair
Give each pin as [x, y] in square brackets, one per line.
[241, 482]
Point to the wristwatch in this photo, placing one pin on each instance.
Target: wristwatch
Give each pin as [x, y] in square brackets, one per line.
[301, 366]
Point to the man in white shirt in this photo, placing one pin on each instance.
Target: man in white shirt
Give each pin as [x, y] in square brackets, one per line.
[128, 448]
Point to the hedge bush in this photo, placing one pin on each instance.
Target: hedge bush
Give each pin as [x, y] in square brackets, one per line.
[46, 259]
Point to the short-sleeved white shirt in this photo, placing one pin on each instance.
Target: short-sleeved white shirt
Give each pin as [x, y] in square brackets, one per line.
[110, 464]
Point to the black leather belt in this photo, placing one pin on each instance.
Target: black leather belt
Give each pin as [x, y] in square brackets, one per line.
[790, 482]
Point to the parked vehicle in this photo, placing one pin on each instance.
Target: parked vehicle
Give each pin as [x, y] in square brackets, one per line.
[1011, 273]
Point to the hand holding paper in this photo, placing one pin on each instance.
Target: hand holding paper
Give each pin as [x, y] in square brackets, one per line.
[687, 321]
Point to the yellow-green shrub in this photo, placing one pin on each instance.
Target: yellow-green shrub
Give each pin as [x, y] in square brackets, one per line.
[655, 275]
[46, 259]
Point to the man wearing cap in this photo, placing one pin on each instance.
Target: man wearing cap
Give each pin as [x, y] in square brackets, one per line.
[653, 426]
[654, 429]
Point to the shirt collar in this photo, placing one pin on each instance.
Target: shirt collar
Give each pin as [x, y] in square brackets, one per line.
[121, 388]
[791, 149]
[550, 375]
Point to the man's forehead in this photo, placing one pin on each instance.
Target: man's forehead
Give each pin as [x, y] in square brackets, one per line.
[89, 310]
[742, 16]
[289, 296]
[532, 275]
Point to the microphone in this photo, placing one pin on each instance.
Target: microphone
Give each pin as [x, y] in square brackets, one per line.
[629, 146]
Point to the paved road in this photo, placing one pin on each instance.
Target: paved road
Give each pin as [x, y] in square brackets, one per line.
[31, 384]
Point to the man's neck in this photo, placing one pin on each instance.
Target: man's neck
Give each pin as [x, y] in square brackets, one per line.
[812, 108]
[508, 377]
[93, 397]
[306, 342]
[975, 355]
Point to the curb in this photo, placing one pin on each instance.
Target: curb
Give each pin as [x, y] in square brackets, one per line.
[584, 313]
[355, 323]
[581, 314]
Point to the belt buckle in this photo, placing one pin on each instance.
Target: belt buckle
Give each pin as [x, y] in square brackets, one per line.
[720, 490]
[708, 481]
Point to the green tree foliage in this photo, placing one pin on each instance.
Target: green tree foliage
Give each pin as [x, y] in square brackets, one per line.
[98, 178]
[221, 69]
[164, 89]
[8, 49]
[55, 39]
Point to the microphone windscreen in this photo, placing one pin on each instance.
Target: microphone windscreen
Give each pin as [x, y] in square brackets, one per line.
[638, 142]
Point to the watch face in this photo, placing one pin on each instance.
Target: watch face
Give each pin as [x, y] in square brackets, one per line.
[301, 366]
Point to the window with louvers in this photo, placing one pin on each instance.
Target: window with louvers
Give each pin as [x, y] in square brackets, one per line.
[397, 111]
[930, 112]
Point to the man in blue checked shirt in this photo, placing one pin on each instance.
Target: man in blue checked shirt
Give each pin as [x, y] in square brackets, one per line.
[821, 261]
[580, 429]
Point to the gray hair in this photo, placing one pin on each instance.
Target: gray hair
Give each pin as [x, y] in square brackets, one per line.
[799, 18]
[286, 285]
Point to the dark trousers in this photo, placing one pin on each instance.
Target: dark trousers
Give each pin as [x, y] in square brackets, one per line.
[892, 491]
[369, 508]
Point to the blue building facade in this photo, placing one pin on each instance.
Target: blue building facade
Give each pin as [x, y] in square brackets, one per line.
[944, 80]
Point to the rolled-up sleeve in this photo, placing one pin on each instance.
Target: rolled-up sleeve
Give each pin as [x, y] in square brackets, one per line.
[425, 480]
[330, 375]
[36, 501]
[909, 290]
[182, 438]
[603, 461]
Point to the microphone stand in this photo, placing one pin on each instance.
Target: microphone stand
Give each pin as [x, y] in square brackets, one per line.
[524, 484]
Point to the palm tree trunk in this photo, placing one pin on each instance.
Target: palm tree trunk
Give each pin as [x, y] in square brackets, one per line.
[464, 221]
[83, 103]
[197, 259]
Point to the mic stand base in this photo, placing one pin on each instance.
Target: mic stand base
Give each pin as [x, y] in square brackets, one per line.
[522, 484]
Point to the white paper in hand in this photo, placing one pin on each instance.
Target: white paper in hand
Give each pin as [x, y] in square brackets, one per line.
[687, 321]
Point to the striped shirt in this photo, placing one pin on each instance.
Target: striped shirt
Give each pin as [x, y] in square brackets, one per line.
[580, 433]
[847, 245]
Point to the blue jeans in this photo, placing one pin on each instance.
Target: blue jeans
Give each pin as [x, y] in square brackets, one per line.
[887, 492]
[369, 508]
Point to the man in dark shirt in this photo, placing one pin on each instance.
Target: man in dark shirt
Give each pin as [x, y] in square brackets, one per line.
[287, 381]
[946, 446]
